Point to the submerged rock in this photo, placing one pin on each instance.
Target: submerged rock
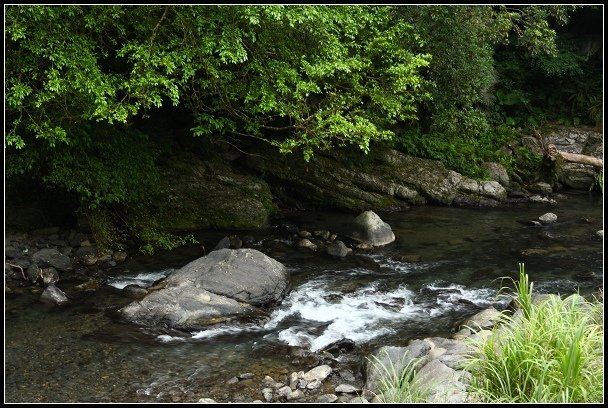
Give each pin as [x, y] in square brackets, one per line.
[547, 218]
[134, 291]
[338, 249]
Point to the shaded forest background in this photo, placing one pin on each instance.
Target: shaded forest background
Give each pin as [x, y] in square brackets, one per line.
[99, 98]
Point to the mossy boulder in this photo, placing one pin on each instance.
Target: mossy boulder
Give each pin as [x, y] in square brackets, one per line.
[210, 194]
[384, 180]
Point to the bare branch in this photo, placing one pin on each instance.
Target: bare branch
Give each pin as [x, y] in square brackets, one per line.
[156, 28]
[19, 267]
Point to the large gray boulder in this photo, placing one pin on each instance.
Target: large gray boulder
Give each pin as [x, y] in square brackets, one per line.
[369, 227]
[226, 283]
[184, 307]
[246, 275]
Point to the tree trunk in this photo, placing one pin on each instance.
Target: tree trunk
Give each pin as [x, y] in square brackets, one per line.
[553, 153]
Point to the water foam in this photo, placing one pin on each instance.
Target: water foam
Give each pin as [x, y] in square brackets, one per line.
[315, 315]
[345, 304]
[325, 316]
[483, 297]
[144, 280]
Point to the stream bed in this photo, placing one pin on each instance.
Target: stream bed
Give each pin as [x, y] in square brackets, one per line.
[445, 265]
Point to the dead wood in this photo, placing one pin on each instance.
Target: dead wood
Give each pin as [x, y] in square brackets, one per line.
[553, 154]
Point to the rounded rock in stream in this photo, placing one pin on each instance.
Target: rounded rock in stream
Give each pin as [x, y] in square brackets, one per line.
[369, 227]
[224, 284]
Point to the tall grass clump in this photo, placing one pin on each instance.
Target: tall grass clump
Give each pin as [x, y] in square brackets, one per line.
[397, 382]
[548, 351]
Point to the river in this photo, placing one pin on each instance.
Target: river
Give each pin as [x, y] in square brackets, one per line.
[445, 265]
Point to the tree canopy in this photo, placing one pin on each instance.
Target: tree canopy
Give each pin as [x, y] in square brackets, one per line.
[437, 79]
[296, 76]
[299, 77]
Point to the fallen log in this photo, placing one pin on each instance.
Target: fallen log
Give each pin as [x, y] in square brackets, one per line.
[553, 154]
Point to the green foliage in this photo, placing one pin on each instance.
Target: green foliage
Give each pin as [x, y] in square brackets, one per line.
[586, 100]
[151, 235]
[461, 152]
[79, 79]
[397, 386]
[114, 173]
[564, 85]
[530, 27]
[566, 61]
[317, 77]
[474, 93]
[598, 184]
[311, 76]
[524, 288]
[105, 165]
[113, 225]
[460, 39]
[551, 352]
[54, 79]
[527, 162]
[298, 77]
[108, 236]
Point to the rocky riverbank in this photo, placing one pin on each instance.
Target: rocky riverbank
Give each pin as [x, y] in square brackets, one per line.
[53, 259]
[64, 266]
[440, 366]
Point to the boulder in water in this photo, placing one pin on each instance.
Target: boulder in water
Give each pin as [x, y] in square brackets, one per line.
[547, 218]
[53, 295]
[338, 249]
[369, 227]
[224, 284]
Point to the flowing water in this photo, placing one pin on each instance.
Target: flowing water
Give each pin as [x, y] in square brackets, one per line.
[445, 265]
